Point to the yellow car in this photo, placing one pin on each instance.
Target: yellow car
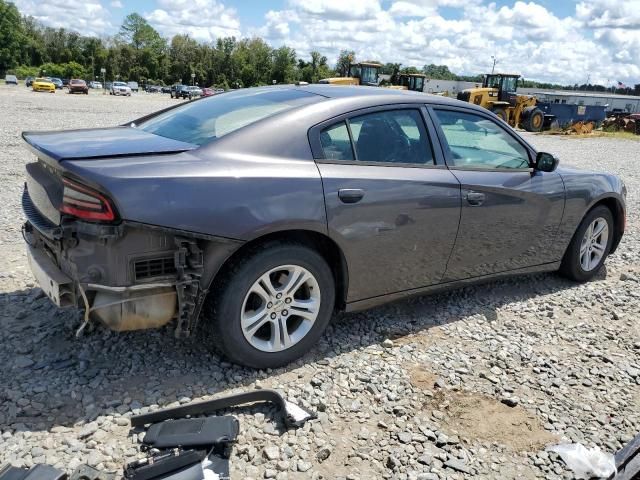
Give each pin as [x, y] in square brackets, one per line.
[43, 85]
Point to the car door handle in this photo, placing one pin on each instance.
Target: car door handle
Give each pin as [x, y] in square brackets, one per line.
[350, 195]
[475, 198]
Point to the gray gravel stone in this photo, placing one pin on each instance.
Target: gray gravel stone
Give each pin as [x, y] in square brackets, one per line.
[567, 354]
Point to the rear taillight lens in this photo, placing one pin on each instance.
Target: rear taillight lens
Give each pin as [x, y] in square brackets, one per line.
[86, 203]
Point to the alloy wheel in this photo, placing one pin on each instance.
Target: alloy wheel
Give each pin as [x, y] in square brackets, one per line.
[280, 308]
[594, 244]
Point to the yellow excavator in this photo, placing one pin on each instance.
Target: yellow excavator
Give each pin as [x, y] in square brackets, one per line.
[363, 73]
[499, 94]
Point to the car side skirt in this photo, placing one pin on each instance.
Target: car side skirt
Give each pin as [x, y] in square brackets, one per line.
[443, 287]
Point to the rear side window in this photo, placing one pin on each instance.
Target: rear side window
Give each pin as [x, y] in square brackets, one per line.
[389, 136]
[336, 143]
[204, 120]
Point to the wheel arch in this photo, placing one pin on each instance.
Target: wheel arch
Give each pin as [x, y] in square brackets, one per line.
[617, 210]
[319, 242]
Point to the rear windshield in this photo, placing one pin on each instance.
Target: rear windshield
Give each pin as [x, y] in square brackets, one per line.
[203, 120]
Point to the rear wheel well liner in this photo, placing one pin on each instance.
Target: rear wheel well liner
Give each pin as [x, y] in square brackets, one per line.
[319, 242]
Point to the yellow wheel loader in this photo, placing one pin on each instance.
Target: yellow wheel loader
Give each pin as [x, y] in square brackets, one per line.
[412, 81]
[498, 94]
[363, 73]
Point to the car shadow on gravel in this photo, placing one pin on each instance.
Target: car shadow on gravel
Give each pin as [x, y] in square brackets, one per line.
[51, 378]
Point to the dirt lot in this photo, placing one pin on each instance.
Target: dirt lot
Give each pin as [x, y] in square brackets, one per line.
[471, 383]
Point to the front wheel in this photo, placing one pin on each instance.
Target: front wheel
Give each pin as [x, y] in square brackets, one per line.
[271, 307]
[590, 245]
[534, 120]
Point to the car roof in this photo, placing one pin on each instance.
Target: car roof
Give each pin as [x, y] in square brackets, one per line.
[380, 95]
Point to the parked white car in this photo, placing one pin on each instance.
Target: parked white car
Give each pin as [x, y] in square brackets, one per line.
[120, 88]
[96, 85]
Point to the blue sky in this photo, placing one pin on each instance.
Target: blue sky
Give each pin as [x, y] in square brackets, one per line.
[552, 40]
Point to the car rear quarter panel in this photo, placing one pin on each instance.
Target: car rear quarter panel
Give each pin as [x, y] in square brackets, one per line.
[236, 196]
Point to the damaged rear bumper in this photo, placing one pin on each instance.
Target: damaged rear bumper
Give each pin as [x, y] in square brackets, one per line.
[125, 308]
[128, 276]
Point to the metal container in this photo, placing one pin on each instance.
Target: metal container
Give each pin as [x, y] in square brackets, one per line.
[567, 114]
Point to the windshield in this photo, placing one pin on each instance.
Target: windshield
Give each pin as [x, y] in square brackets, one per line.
[508, 84]
[212, 117]
[369, 75]
[119, 84]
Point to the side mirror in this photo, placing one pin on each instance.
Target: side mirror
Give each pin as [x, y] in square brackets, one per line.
[546, 162]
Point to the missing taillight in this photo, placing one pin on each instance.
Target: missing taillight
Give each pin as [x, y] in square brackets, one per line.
[85, 203]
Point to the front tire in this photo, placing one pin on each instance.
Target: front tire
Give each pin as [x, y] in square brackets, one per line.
[534, 120]
[589, 246]
[272, 306]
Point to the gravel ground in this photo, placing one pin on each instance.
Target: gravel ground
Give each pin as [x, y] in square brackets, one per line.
[470, 383]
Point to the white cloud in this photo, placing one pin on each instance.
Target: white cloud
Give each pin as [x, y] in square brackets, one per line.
[601, 39]
[610, 13]
[410, 9]
[87, 17]
[338, 9]
[204, 20]
[526, 37]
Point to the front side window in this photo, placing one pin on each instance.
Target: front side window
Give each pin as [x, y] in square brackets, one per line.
[477, 142]
[210, 118]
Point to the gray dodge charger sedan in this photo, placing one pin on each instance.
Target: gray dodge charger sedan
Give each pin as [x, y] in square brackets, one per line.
[254, 214]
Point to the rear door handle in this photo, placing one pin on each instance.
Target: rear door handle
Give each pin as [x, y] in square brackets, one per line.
[475, 198]
[350, 195]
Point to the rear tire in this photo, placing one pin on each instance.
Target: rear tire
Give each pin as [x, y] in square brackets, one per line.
[589, 248]
[248, 322]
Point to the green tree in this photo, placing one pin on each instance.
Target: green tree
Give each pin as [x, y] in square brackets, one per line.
[137, 32]
[345, 59]
[147, 48]
[182, 58]
[284, 65]
[314, 70]
[11, 36]
[33, 47]
[438, 72]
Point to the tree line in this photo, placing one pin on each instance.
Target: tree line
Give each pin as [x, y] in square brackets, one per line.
[138, 52]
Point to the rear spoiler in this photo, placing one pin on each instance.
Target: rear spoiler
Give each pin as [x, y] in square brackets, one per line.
[96, 143]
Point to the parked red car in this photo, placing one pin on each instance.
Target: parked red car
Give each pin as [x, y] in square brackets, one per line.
[207, 92]
[78, 86]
